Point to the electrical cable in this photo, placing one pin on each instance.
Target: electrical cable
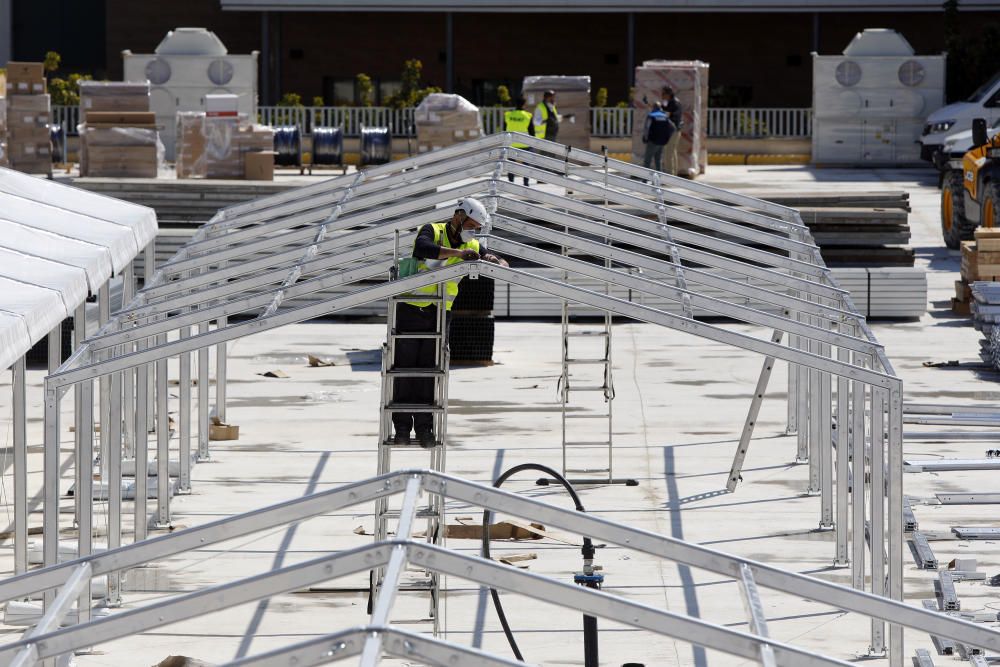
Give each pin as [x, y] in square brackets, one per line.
[590, 626]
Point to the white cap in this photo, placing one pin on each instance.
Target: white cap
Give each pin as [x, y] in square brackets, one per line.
[474, 209]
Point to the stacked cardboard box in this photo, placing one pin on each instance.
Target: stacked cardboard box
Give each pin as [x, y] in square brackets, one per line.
[3, 125]
[217, 147]
[689, 80]
[119, 96]
[980, 262]
[28, 114]
[572, 103]
[443, 120]
[118, 138]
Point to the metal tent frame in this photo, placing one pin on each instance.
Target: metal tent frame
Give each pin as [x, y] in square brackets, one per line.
[48, 640]
[335, 238]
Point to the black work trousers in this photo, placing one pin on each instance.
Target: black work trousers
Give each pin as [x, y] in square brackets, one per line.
[415, 353]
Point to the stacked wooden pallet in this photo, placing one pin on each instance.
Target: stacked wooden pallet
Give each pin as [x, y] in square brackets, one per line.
[980, 262]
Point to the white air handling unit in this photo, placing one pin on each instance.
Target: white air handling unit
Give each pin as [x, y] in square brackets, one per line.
[189, 64]
[869, 104]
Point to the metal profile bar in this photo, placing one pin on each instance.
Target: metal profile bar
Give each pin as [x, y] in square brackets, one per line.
[946, 591]
[136, 554]
[925, 558]
[54, 615]
[826, 444]
[700, 276]
[114, 481]
[389, 586]
[454, 271]
[877, 505]
[697, 212]
[220, 370]
[184, 418]
[935, 409]
[755, 613]
[85, 489]
[953, 420]
[678, 294]
[644, 233]
[789, 214]
[242, 304]
[975, 532]
[751, 420]
[894, 493]
[708, 559]
[50, 484]
[204, 392]
[968, 498]
[501, 501]
[950, 465]
[923, 658]
[162, 447]
[395, 642]
[19, 419]
[909, 518]
[141, 520]
[843, 429]
[680, 235]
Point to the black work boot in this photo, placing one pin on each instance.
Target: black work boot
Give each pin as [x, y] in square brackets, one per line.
[426, 439]
[401, 439]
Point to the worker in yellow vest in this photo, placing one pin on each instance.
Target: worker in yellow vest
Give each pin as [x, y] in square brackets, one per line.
[437, 244]
[519, 120]
[547, 117]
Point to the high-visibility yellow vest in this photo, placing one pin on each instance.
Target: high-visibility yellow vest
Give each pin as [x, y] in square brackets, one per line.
[451, 286]
[540, 127]
[517, 120]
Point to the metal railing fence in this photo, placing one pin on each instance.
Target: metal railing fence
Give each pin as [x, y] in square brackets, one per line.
[737, 123]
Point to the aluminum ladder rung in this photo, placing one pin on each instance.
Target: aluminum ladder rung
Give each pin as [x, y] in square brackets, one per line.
[588, 416]
[409, 298]
[586, 388]
[430, 334]
[412, 407]
[580, 334]
[588, 443]
[414, 444]
[422, 513]
[603, 362]
[587, 471]
[415, 372]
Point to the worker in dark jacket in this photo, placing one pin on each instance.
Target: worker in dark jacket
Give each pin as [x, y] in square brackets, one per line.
[672, 107]
[656, 134]
[438, 244]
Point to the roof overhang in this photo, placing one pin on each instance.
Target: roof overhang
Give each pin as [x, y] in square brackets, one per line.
[600, 6]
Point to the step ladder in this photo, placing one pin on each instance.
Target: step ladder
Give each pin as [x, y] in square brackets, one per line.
[386, 517]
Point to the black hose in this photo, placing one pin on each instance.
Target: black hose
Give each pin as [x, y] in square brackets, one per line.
[590, 623]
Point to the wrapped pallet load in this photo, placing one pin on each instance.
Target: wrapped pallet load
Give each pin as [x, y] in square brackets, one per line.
[119, 137]
[28, 114]
[120, 96]
[443, 120]
[223, 147]
[689, 80]
[572, 104]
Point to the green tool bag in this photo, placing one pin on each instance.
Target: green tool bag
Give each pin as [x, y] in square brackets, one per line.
[408, 266]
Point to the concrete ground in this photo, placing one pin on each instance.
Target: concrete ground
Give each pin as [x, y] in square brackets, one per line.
[679, 408]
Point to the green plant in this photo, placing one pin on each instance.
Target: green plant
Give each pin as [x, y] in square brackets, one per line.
[52, 61]
[290, 100]
[503, 96]
[318, 101]
[601, 97]
[66, 92]
[365, 89]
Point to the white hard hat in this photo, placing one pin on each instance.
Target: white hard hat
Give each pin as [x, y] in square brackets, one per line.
[474, 209]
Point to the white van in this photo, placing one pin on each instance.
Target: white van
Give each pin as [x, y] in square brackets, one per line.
[984, 103]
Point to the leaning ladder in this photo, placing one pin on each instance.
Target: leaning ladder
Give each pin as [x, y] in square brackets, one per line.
[580, 462]
[433, 512]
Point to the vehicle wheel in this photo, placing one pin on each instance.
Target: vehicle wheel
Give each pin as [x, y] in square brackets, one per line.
[952, 209]
[991, 206]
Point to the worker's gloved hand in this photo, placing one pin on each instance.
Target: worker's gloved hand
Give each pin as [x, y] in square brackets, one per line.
[470, 255]
[493, 259]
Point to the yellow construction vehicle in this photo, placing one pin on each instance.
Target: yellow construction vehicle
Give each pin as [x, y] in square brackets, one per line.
[970, 189]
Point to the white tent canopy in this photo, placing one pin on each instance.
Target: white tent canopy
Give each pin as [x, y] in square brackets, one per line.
[57, 244]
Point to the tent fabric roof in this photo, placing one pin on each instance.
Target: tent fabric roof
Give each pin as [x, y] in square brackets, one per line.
[57, 244]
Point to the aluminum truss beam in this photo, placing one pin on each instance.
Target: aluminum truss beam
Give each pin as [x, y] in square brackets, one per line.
[478, 495]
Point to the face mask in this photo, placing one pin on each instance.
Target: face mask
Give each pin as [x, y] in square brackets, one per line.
[467, 235]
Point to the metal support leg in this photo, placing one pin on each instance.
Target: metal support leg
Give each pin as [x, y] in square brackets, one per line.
[826, 447]
[843, 428]
[895, 493]
[203, 398]
[793, 389]
[877, 525]
[141, 449]
[50, 475]
[184, 415]
[85, 490]
[815, 429]
[220, 376]
[128, 291]
[751, 421]
[858, 486]
[114, 482]
[80, 467]
[162, 447]
[19, 418]
[801, 409]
